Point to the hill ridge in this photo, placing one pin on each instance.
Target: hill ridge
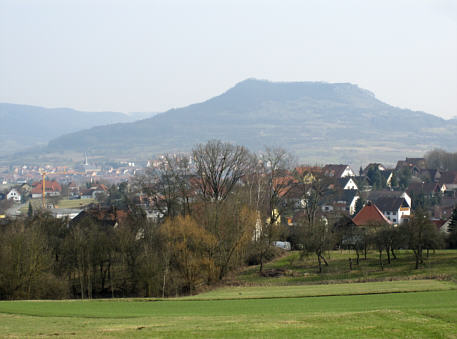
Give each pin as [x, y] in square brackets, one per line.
[317, 121]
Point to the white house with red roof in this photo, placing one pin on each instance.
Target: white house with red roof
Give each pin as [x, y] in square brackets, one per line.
[52, 189]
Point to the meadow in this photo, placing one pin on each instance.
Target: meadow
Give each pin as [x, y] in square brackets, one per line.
[408, 314]
[439, 264]
[63, 203]
[364, 303]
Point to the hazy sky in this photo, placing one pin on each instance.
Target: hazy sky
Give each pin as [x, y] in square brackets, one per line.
[154, 55]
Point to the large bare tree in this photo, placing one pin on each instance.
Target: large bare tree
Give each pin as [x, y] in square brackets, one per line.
[219, 167]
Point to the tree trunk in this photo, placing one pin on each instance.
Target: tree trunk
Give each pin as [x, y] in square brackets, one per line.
[164, 280]
[380, 260]
[417, 258]
[325, 261]
[110, 279]
[319, 262]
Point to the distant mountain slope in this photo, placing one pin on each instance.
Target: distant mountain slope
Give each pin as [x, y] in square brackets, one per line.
[24, 126]
[318, 121]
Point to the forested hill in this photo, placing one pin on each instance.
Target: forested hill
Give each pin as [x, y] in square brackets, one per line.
[318, 121]
[25, 126]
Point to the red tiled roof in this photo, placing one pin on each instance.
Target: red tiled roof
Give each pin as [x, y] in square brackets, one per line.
[370, 215]
[308, 169]
[438, 222]
[50, 186]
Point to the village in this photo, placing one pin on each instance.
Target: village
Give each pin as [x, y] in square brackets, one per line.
[389, 194]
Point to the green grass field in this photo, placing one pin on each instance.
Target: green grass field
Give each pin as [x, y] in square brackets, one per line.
[431, 312]
[365, 302]
[64, 203]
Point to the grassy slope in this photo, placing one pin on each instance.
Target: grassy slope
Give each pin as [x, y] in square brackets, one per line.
[439, 265]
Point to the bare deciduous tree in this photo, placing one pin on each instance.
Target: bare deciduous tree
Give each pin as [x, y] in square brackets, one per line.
[219, 166]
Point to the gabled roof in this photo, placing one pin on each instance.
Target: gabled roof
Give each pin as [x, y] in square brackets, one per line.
[332, 170]
[346, 195]
[370, 215]
[103, 217]
[432, 174]
[50, 186]
[390, 203]
[342, 182]
[426, 188]
[303, 170]
[374, 195]
[418, 163]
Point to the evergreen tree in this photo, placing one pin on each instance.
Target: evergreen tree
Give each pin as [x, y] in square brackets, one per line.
[375, 176]
[30, 210]
[358, 205]
[394, 181]
[453, 225]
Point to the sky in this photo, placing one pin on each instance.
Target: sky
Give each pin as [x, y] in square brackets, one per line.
[150, 56]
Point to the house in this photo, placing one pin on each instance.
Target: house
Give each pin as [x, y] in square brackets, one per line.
[308, 173]
[14, 194]
[431, 175]
[94, 191]
[338, 171]
[375, 195]
[449, 178]
[61, 213]
[343, 201]
[370, 215]
[428, 189]
[346, 183]
[363, 183]
[73, 189]
[394, 209]
[52, 189]
[107, 217]
[444, 209]
[442, 224]
[415, 164]
[387, 176]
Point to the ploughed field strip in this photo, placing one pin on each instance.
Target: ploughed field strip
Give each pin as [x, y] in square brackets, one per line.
[424, 309]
